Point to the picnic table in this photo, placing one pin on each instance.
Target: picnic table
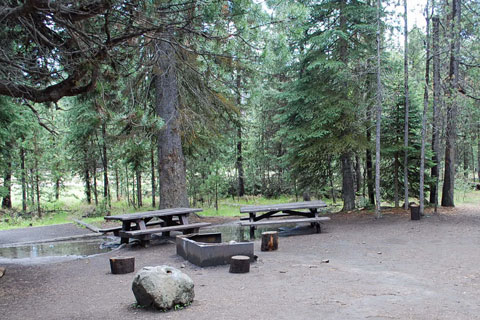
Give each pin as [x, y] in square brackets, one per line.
[308, 210]
[135, 225]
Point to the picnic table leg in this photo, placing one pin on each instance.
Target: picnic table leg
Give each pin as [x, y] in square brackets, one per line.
[317, 227]
[144, 240]
[252, 228]
[125, 227]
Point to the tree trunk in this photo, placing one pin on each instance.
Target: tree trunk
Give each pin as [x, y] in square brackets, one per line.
[173, 189]
[86, 178]
[436, 107]
[348, 189]
[127, 189]
[7, 181]
[37, 183]
[405, 66]
[425, 108]
[152, 167]
[139, 188]
[117, 184]
[478, 152]
[95, 190]
[32, 187]
[106, 185]
[358, 174]
[241, 178]
[396, 175]
[57, 189]
[369, 162]
[378, 211]
[241, 181]
[449, 176]
[23, 177]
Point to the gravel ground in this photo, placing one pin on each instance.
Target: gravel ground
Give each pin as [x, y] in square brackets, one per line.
[391, 268]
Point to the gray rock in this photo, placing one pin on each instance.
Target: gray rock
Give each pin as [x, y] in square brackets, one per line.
[162, 287]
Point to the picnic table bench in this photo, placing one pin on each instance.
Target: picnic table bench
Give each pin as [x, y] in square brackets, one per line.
[135, 225]
[308, 210]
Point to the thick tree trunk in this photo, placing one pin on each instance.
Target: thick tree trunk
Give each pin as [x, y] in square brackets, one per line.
[171, 161]
[407, 102]
[152, 167]
[449, 176]
[24, 180]
[436, 106]
[348, 189]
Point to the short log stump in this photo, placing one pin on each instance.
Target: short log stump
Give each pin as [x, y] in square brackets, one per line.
[121, 265]
[269, 241]
[240, 264]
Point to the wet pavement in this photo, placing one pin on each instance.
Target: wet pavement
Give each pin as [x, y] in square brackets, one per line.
[40, 233]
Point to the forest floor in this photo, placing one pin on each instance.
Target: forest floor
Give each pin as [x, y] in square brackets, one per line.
[390, 268]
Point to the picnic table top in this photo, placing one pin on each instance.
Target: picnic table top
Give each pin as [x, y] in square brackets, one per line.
[284, 206]
[152, 214]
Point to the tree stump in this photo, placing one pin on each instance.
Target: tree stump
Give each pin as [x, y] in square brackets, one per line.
[269, 241]
[121, 265]
[415, 212]
[240, 264]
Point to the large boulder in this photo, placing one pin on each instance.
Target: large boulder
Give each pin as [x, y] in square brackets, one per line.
[162, 287]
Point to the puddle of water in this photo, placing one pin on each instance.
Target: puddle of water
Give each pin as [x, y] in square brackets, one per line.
[77, 248]
[237, 233]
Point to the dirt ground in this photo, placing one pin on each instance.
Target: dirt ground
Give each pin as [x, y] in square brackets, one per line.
[391, 268]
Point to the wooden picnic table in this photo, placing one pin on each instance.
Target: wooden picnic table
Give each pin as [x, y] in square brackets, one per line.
[135, 225]
[308, 210]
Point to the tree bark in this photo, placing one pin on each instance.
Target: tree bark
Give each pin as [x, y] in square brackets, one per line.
[241, 181]
[425, 108]
[171, 161]
[106, 185]
[449, 176]
[369, 162]
[7, 181]
[139, 188]
[152, 167]
[378, 211]
[358, 174]
[23, 178]
[117, 184]
[241, 178]
[37, 180]
[348, 190]
[478, 152]
[406, 89]
[436, 106]
[86, 178]
[57, 189]
[95, 190]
